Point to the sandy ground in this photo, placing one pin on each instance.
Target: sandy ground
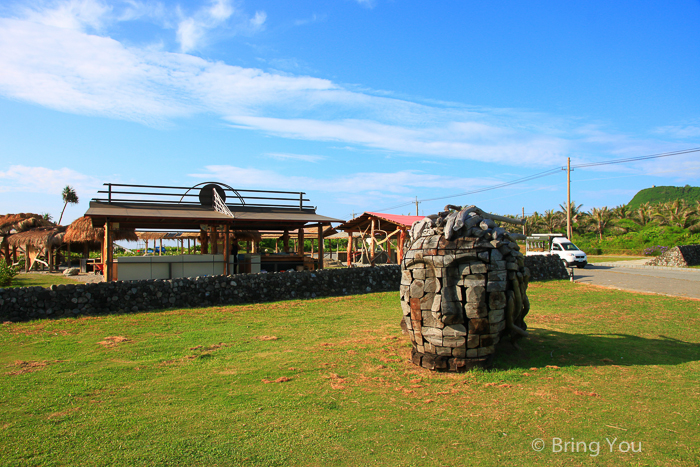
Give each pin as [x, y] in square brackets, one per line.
[84, 278]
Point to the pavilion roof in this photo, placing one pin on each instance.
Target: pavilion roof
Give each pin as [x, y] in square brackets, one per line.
[387, 222]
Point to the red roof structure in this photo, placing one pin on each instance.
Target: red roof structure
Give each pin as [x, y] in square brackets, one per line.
[397, 219]
[377, 224]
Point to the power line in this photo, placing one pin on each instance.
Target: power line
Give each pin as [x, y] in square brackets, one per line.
[500, 185]
[635, 159]
[545, 174]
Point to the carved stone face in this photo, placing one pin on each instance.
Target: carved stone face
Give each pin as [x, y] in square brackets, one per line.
[460, 297]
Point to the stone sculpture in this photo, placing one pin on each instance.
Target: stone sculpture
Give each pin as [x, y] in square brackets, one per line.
[463, 288]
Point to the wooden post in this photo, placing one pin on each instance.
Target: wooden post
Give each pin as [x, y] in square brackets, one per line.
[189, 251]
[388, 251]
[569, 233]
[8, 261]
[68, 258]
[371, 244]
[227, 250]
[285, 241]
[214, 239]
[145, 252]
[203, 241]
[402, 240]
[107, 256]
[350, 245]
[300, 240]
[160, 252]
[277, 247]
[320, 246]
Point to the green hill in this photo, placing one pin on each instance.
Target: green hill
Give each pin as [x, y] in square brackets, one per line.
[663, 194]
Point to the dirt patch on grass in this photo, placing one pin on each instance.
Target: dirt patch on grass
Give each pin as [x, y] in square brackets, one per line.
[30, 367]
[31, 330]
[337, 382]
[267, 338]
[281, 379]
[63, 413]
[112, 341]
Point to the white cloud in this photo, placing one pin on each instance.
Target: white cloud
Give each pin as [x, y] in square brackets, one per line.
[367, 3]
[220, 10]
[312, 19]
[189, 33]
[404, 181]
[257, 21]
[680, 131]
[296, 157]
[192, 31]
[24, 179]
[441, 142]
[71, 14]
[70, 70]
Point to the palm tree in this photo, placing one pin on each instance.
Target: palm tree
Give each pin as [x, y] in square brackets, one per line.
[577, 215]
[69, 196]
[676, 213]
[644, 214]
[600, 219]
[532, 223]
[575, 210]
[621, 211]
[550, 220]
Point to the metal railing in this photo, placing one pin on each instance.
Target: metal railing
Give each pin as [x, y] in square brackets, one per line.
[179, 195]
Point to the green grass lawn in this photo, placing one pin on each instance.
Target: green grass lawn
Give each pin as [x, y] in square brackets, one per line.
[329, 382]
[610, 259]
[42, 280]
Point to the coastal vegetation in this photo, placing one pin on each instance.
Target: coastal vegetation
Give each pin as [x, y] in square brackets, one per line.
[646, 230]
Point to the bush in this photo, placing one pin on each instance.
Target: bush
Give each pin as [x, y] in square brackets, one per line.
[7, 273]
[655, 250]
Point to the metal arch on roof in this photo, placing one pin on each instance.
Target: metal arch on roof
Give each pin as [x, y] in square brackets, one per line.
[214, 183]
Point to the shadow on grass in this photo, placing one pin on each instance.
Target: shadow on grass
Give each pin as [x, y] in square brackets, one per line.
[546, 347]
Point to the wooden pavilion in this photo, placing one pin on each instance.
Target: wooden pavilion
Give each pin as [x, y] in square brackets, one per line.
[82, 235]
[250, 236]
[380, 229]
[215, 210]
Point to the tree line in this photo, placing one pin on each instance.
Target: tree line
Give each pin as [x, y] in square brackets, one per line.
[677, 213]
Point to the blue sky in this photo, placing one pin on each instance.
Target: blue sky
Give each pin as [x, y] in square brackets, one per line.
[364, 105]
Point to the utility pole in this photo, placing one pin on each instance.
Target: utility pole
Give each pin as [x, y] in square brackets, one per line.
[569, 233]
[523, 220]
[416, 205]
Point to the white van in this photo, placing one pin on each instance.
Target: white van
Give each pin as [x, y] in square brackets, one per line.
[556, 244]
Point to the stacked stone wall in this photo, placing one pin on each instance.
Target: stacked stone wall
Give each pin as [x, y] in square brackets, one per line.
[680, 256]
[546, 267]
[27, 303]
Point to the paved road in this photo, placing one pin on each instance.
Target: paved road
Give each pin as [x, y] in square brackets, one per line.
[678, 283]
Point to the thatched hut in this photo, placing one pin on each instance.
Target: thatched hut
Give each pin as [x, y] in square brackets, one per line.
[14, 223]
[82, 235]
[37, 243]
